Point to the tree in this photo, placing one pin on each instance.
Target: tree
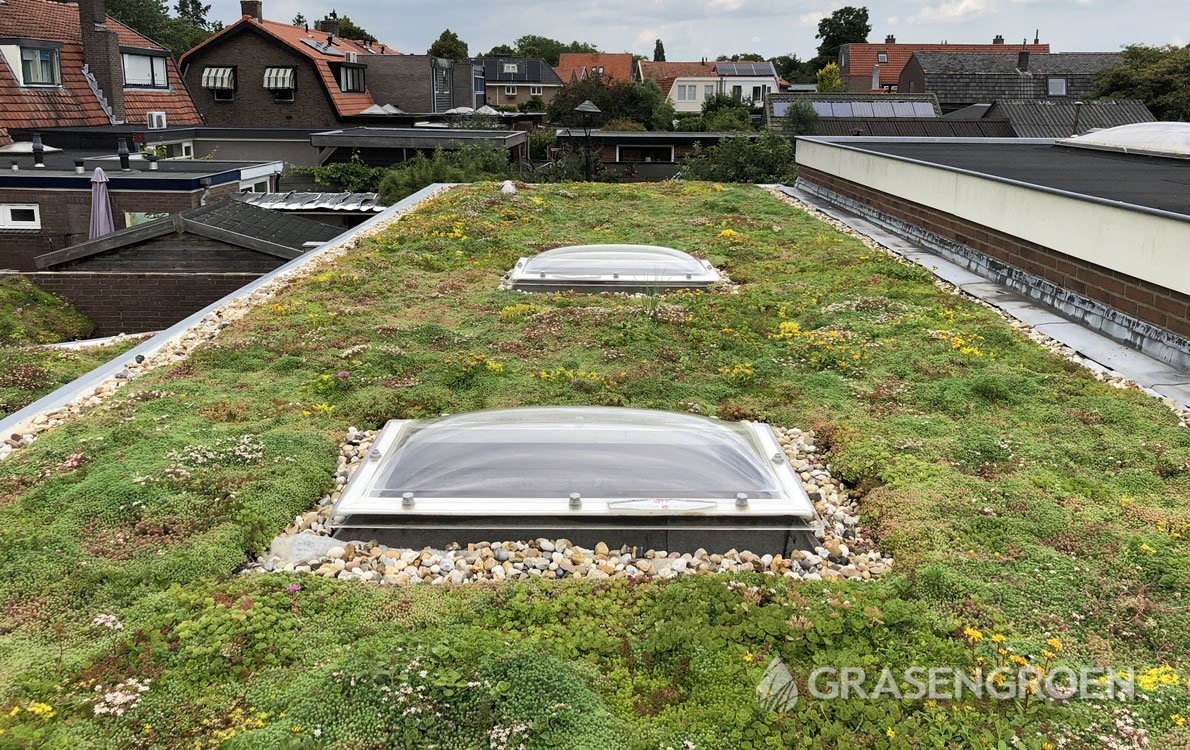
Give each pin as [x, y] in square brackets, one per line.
[533, 45]
[449, 45]
[845, 25]
[800, 119]
[1158, 76]
[639, 101]
[194, 13]
[348, 30]
[658, 52]
[793, 69]
[829, 79]
[299, 20]
[501, 50]
[767, 158]
[152, 19]
[741, 57]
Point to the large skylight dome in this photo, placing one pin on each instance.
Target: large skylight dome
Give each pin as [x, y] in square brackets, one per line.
[1169, 139]
[598, 268]
[649, 477]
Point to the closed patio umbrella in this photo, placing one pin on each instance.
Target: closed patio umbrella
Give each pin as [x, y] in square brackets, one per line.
[101, 206]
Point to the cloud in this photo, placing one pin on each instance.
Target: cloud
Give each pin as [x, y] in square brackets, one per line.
[953, 11]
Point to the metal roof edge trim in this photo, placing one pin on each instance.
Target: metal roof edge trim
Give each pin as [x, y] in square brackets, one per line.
[836, 142]
[85, 383]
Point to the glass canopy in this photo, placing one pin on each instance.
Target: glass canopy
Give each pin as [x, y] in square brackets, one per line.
[576, 460]
[1171, 139]
[611, 268]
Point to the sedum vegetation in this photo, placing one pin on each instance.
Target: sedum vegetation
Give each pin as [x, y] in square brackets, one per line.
[1030, 508]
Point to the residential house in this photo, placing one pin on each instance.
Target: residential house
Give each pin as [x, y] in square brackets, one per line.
[960, 79]
[512, 81]
[893, 114]
[749, 82]
[644, 155]
[611, 66]
[68, 64]
[47, 208]
[868, 66]
[261, 73]
[686, 84]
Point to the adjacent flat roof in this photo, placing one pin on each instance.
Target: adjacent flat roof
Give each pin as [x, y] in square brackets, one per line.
[415, 137]
[1149, 182]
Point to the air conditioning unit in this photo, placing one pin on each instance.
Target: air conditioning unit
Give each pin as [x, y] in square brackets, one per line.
[352, 57]
[157, 121]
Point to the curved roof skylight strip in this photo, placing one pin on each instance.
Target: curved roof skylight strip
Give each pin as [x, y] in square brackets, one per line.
[597, 268]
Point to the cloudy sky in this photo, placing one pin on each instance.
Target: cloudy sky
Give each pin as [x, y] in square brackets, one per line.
[692, 29]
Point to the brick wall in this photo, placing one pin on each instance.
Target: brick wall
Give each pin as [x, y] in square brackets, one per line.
[253, 105]
[1141, 299]
[66, 215]
[137, 302]
[497, 98]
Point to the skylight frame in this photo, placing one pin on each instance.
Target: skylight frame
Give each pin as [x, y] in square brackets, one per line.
[699, 274]
[361, 496]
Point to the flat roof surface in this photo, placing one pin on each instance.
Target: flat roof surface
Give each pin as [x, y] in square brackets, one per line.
[1162, 184]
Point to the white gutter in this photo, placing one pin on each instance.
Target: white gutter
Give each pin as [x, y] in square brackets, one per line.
[84, 386]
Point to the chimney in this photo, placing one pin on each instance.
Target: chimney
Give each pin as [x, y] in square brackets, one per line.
[330, 25]
[999, 39]
[252, 8]
[875, 76]
[890, 39]
[101, 54]
[1022, 61]
[1037, 36]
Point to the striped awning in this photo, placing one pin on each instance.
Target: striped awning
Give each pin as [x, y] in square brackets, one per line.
[219, 78]
[278, 78]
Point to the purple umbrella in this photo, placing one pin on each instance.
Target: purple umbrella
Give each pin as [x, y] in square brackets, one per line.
[101, 207]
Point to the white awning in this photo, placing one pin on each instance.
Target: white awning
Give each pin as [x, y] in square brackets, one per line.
[278, 78]
[219, 78]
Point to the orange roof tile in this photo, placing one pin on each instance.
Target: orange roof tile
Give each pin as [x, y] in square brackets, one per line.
[616, 65]
[74, 104]
[665, 73]
[296, 37]
[861, 56]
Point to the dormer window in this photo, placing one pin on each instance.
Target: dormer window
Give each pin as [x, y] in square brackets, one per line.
[511, 68]
[882, 57]
[351, 79]
[40, 66]
[145, 71]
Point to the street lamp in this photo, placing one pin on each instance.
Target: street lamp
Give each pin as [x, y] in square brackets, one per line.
[588, 110]
[1078, 108]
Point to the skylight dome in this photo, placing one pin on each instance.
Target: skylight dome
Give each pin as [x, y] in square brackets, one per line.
[598, 268]
[1169, 139]
[629, 476]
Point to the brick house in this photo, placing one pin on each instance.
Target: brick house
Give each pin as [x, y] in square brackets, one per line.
[868, 66]
[511, 81]
[686, 84]
[611, 66]
[68, 64]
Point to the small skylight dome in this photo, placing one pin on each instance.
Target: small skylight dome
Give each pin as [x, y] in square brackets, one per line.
[1168, 139]
[601, 268]
[624, 476]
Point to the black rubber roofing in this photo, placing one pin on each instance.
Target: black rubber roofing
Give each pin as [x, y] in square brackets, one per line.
[1159, 183]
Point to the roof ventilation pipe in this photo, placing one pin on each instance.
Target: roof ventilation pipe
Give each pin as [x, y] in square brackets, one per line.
[38, 152]
[122, 150]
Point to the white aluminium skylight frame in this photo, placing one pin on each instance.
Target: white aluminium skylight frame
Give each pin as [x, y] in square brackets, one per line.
[595, 268]
[667, 463]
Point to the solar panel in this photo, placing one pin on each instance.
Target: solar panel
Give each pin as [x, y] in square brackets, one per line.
[882, 109]
[902, 109]
[322, 47]
[862, 109]
[924, 109]
[780, 108]
[841, 109]
[822, 108]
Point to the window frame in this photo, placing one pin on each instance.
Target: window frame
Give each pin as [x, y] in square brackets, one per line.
[352, 71]
[164, 84]
[9, 223]
[510, 91]
[882, 58]
[511, 68]
[535, 90]
[1049, 85]
[55, 62]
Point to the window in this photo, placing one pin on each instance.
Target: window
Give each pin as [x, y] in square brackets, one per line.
[221, 82]
[351, 79]
[224, 95]
[756, 93]
[614, 267]
[145, 71]
[187, 150]
[260, 186]
[280, 81]
[1057, 86]
[20, 216]
[511, 68]
[881, 57]
[40, 67]
[708, 91]
[510, 90]
[737, 92]
[637, 154]
[133, 218]
[534, 91]
[598, 71]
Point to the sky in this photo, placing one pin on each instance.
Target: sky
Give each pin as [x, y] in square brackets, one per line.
[692, 29]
